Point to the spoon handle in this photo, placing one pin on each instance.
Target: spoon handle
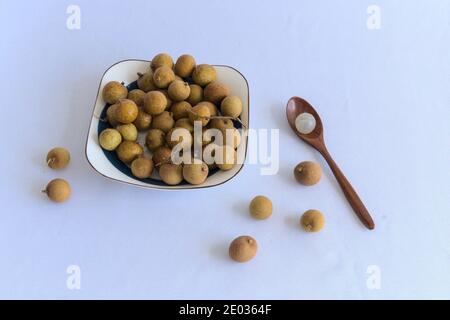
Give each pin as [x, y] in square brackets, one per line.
[349, 192]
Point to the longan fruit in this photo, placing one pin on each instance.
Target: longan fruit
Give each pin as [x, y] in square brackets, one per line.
[143, 120]
[227, 158]
[169, 100]
[243, 249]
[221, 124]
[163, 76]
[195, 95]
[204, 74]
[155, 102]
[114, 91]
[126, 111]
[58, 190]
[200, 113]
[110, 139]
[183, 136]
[172, 174]
[137, 95]
[231, 106]
[110, 115]
[180, 110]
[145, 82]
[308, 173]
[163, 121]
[128, 131]
[185, 65]
[58, 158]
[142, 167]
[184, 123]
[312, 220]
[154, 139]
[195, 173]
[261, 207]
[162, 155]
[160, 60]
[179, 90]
[211, 106]
[215, 92]
[127, 151]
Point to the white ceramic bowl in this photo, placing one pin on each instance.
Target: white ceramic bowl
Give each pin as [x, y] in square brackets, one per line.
[107, 164]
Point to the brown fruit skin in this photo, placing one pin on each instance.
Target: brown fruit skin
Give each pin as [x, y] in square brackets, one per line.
[114, 91]
[155, 138]
[137, 95]
[243, 249]
[200, 113]
[126, 111]
[143, 120]
[169, 101]
[172, 174]
[231, 106]
[195, 173]
[204, 74]
[58, 190]
[185, 65]
[127, 151]
[58, 158]
[163, 76]
[155, 102]
[128, 131]
[211, 106]
[179, 90]
[196, 94]
[180, 110]
[142, 167]
[110, 114]
[185, 137]
[109, 139]
[145, 82]
[312, 221]
[184, 123]
[308, 173]
[261, 207]
[221, 124]
[163, 121]
[161, 59]
[162, 155]
[215, 92]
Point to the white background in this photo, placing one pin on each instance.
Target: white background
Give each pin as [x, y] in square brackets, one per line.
[383, 96]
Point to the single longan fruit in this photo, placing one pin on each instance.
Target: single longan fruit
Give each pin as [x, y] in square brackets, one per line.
[179, 90]
[231, 106]
[154, 139]
[180, 110]
[142, 167]
[215, 92]
[172, 174]
[110, 115]
[127, 151]
[308, 173]
[58, 158]
[221, 124]
[185, 65]
[145, 82]
[195, 173]
[143, 120]
[162, 155]
[163, 76]
[160, 60]
[226, 158]
[200, 113]
[114, 91]
[243, 249]
[155, 102]
[110, 139]
[195, 95]
[58, 190]
[169, 100]
[126, 111]
[211, 106]
[163, 121]
[137, 96]
[312, 220]
[204, 74]
[178, 135]
[184, 123]
[261, 207]
[128, 131]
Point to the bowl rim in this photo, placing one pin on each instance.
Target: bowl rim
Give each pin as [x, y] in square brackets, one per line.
[149, 186]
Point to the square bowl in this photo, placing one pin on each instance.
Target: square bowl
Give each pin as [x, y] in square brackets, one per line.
[108, 165]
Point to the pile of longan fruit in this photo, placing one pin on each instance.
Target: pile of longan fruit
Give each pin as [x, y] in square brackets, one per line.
[172, 96]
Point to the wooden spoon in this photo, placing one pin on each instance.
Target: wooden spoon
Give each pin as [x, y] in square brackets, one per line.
[295, 107]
